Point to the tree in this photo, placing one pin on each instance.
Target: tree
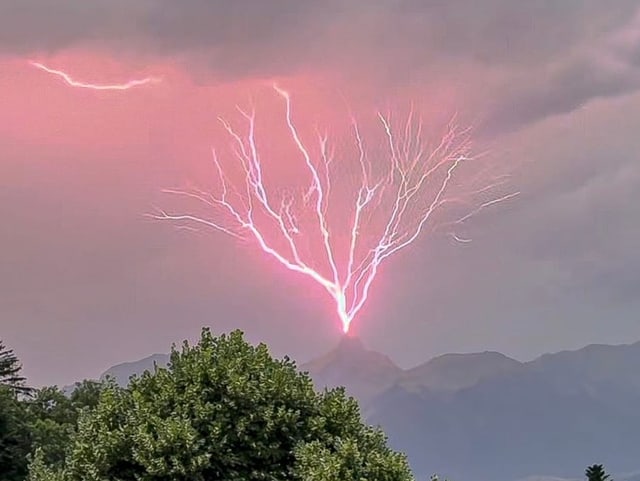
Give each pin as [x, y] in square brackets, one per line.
[53, 417]
[10, 369]
[51, 421]
[85, 395]
[224, 410]
[45, 420]
[596, 472]
[15, 436]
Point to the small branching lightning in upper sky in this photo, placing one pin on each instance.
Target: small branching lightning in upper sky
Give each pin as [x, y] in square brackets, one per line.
[95, 86]
[389, 207]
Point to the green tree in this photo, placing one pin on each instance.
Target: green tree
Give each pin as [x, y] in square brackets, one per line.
[39, 469]
[596, 472]
[15, 436]
[224, 410]
[51, 421]
[10, 369]
[53, 417]
[85, 395]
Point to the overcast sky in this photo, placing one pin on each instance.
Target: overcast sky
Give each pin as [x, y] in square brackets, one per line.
[87, 281]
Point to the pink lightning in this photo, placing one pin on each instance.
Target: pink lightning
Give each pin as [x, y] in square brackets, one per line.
[389, 208]
[75, 83]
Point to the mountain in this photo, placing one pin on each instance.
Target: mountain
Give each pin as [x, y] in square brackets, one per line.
[452, 372]
[609, 373]
[487, 417]
[507, 428]
[363, 372]
[122, 372]
[554, 415]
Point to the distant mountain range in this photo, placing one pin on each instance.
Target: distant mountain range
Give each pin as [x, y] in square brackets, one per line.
[487, 417]
[121, 373]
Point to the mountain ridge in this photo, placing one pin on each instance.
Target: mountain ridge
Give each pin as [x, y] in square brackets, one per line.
[487, 417]
[145, 363]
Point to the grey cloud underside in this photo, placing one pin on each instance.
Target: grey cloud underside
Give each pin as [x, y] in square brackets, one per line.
[544, 48]
[491, 31]
[608, 68]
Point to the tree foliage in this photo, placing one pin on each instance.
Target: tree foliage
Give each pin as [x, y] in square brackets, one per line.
[53, 417]
[596, 472]
[10, 369]
[15, 436]
[45, 420]
[224, 410]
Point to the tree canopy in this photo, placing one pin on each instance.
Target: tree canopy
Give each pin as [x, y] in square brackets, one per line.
[44, 421]
[224, 410]
[596, 472]
[10, 369]
[53, 417]
[15, 436]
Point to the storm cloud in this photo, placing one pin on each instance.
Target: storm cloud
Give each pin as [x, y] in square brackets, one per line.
[538, 58]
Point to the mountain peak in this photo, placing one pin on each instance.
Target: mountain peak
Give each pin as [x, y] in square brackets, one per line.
[451, 372]
[365, 372]
[351, 352]
[349, 342]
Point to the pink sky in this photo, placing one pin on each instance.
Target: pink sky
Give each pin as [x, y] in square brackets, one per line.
[88, 281]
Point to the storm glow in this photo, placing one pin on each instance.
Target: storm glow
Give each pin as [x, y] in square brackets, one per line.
[354, 206]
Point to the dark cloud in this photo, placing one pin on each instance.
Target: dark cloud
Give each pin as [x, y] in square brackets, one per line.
[579, 212]
[492, 31]
[48, 25]
[504, 31]
[552, 56]
[607, 68]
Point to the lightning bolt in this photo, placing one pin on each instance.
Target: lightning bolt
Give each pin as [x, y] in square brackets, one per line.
[75, 83]
[390, 207]
[457, 238]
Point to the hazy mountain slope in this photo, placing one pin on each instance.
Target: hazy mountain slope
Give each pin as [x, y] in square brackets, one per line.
[122, 372]
[507, 428]
[363, 372]
[452, 372]
[554, 415]
[610, 374]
